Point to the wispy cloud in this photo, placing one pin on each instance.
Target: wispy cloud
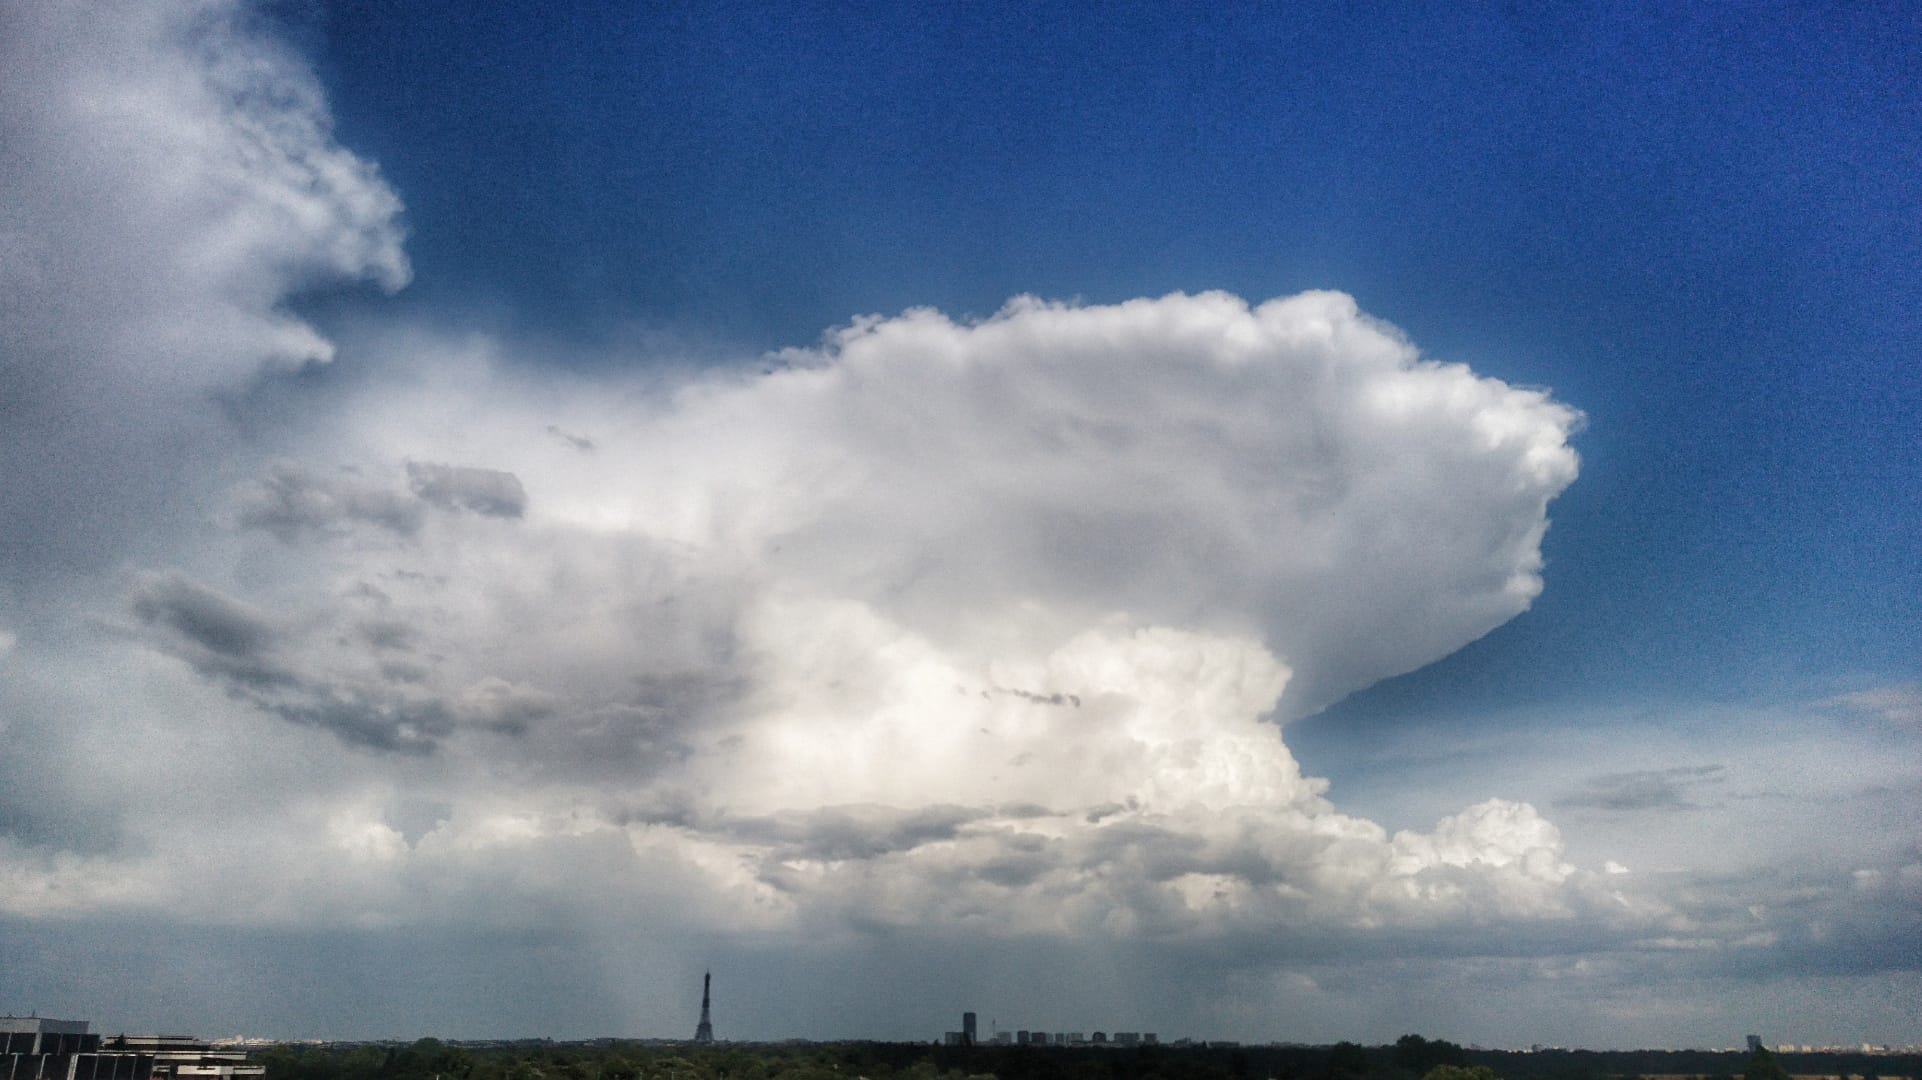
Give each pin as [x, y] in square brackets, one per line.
[1647, 789]
[1900, 705]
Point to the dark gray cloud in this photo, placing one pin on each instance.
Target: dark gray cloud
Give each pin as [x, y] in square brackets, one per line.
[578, 442]
[488, 492]
[222, 638]
[393, 635]
[263, 662]
[373, 720]
[292, 501]
[1647, 789]
[852, 832]
[687, 695]
[1055, 698]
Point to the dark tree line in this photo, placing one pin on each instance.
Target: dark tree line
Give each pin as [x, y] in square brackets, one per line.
[1410, 1058]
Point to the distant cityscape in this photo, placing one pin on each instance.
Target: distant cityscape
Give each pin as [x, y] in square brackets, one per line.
[969, 1035]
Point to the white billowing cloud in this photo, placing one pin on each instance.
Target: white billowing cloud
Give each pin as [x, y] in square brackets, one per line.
[1125, 782]
[938, 625]
[1291, 471]
[1174, 715]
[170, 179]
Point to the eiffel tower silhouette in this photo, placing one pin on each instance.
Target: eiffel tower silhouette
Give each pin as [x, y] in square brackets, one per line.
[705, 1032]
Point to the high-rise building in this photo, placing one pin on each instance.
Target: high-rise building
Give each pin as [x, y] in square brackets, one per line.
[36, 1048]
[967, 1029]
[704, 1033]
[1754, 1043]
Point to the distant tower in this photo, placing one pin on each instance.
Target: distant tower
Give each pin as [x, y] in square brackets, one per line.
[705, 1032]
[967, 1029]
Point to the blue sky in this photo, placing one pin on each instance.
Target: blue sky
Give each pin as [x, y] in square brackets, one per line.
[468, 426]
[1695, 227]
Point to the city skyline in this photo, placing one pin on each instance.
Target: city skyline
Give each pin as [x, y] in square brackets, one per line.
[1302, 525]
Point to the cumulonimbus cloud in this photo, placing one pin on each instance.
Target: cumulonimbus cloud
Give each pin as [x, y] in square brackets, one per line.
[937, 621]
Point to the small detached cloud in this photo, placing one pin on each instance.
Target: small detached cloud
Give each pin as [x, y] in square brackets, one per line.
[578, 442]
[1646, 789]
